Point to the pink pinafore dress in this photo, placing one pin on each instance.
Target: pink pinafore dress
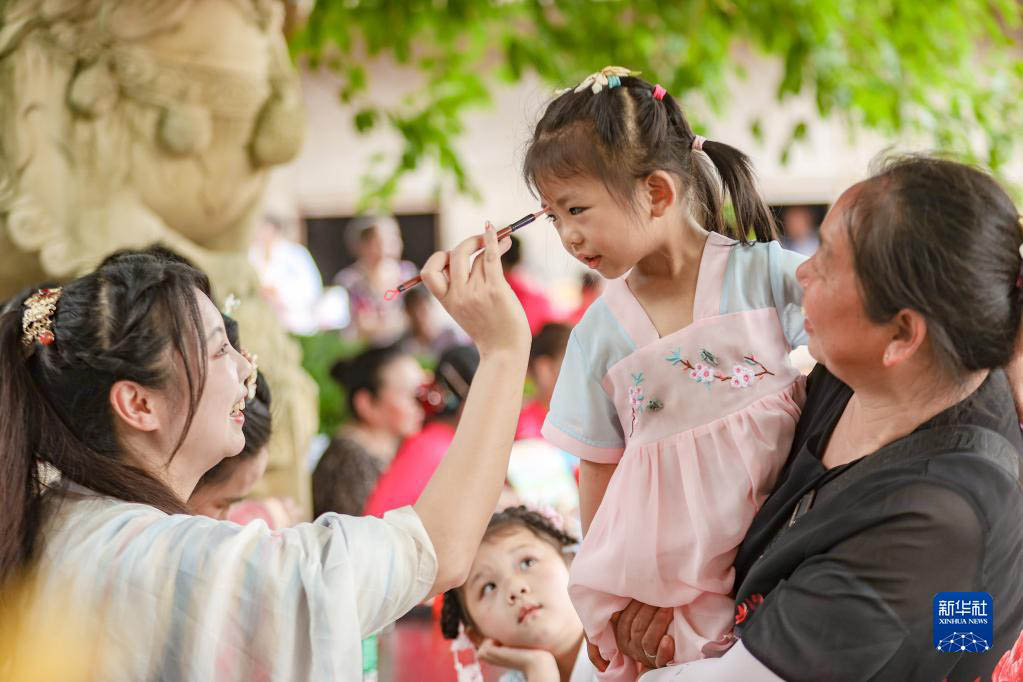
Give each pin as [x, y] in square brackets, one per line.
[705, 418]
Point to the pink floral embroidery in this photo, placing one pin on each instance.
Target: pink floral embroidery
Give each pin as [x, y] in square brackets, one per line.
[636, 399]
[742, 377]
[705, 373]
[702, 374]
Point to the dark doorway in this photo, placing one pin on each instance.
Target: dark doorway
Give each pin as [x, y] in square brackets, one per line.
[326, 241]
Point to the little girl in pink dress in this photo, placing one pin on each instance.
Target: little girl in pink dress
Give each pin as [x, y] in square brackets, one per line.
[688, 427]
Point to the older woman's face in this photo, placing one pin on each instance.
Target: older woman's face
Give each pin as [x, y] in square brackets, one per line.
[842, 337]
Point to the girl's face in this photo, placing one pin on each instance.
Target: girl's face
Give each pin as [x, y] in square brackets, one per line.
[216, 429]
[396, 407]
[593, 227]
[842, 336]
[517, 592]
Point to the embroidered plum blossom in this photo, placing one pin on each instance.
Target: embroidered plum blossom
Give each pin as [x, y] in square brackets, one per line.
[742, 377]
[705, 372]
[702, 374]
[636, 399]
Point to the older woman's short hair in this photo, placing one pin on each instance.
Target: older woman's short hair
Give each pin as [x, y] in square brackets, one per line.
[941, 238]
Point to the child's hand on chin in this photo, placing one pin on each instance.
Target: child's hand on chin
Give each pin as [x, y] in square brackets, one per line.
[536, 664]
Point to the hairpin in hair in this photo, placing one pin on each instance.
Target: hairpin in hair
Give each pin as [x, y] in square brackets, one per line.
[37, 320]
[230, 304]
[698, 143]
[596, 81]
[659, 92]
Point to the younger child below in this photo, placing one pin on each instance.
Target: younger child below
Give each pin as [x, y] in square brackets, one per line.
[515, 606]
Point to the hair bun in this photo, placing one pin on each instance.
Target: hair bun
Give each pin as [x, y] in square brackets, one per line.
[341, 371]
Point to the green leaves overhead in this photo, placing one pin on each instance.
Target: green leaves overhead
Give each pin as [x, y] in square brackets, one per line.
[948, 70]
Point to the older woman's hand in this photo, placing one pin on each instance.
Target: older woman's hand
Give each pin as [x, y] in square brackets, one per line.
[476, 294]
[641, 632]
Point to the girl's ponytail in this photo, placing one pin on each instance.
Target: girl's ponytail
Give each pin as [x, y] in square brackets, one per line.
[753, 219]
[20, 434]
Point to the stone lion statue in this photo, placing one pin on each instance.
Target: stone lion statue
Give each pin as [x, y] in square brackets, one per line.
[129, 122]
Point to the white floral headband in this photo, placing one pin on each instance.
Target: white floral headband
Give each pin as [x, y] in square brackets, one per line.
[609, 77]
[230, 303]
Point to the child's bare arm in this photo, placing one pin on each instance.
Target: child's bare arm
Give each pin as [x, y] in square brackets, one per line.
[593, 480]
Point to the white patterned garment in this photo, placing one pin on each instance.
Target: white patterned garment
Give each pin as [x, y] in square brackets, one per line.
[189, 598]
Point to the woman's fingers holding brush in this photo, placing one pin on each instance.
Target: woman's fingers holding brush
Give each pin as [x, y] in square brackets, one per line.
[477, 295]
[492, 251]
[460, 258]
[435, 276]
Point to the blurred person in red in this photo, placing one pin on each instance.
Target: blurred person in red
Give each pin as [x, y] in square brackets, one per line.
[420, 454]
[538, 307]
[591, 285]
[545, 356]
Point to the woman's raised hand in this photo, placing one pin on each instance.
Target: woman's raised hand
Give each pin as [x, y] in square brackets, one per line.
[476, 294]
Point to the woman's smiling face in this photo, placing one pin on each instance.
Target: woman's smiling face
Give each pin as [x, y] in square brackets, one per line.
[216, 428]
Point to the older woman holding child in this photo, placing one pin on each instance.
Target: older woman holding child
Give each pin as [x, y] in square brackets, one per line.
[904, 478]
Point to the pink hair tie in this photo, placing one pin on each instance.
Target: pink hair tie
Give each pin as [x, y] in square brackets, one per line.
[698, 143]
[659, 92]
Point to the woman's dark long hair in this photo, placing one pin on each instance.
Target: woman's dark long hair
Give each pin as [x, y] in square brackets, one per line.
[132, 319]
